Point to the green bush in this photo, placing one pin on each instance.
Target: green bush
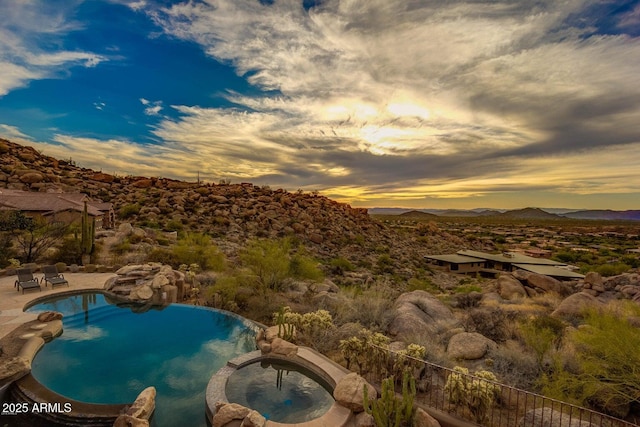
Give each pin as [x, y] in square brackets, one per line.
[269, 261]
[542, 334]
[197, 248]
[69, 251]
[128, 211]
[607, 359]
[304, 267]
[340, 265]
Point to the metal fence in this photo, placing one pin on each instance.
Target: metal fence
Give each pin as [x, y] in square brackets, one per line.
[489, 403]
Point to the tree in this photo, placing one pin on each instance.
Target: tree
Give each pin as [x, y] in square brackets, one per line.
[607, 359]
[33, 236]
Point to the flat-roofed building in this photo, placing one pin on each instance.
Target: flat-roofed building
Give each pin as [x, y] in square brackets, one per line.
[457, 263]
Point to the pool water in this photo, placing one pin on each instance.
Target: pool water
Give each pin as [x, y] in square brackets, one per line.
[109, 353]
[284, 393]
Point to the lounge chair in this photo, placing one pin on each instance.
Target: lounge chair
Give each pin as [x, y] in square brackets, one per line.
[26, 280]
[52, 276]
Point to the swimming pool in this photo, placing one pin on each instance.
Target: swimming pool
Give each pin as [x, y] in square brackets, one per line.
[108, 353]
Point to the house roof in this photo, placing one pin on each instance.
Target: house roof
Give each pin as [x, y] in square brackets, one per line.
[549, 270]
[454, 258]
[46, 203]
[513, 258]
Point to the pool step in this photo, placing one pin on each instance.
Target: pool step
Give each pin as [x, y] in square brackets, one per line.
[35, 395]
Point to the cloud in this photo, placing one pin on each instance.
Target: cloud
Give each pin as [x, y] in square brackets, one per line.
[151, 108]
[432, 97]
[27, 31]
[393, 99]
[12, 132]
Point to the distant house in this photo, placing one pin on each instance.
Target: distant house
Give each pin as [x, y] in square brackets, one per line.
[65, 208]
[455, 263]
[468, 261]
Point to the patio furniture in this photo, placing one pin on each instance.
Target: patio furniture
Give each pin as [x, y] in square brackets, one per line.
[51, 275]
[26, 280]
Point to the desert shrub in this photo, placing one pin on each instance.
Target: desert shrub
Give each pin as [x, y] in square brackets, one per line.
[128, 211]
[370, 307]
[492, 322]
[174, 225]
[269, 261]
[415, 284]
[607, 359]
[163, 256]
[61, 266]
[515, 366]
[607, 270]
[222, 293]
[69, 251]
[122, 247]
[304, 267]
[384, 264]
[465, 288]
[197, 248]
[468, 300]
[340, 265]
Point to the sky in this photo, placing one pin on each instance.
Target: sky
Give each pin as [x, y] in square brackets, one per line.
[377, 103]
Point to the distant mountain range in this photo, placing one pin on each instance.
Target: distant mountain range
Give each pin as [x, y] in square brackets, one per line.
[526, 213]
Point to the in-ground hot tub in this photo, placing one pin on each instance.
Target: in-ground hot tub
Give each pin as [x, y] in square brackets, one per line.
[280, 391]
[292, 385]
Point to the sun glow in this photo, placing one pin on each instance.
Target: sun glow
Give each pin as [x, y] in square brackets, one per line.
[408, 110]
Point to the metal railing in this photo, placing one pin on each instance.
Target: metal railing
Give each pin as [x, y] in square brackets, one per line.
[490, 403]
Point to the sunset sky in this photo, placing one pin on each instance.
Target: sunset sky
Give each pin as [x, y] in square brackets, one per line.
[404, 103]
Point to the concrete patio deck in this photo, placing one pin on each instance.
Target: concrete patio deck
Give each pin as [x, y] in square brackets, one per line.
[12, 302]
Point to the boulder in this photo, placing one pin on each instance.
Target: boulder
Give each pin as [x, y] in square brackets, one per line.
[469, 346]
[422, 419]
[349, 392]
[125, 420]
[574, 305]
[253, 419]
[48, 316]
[510, 288]
[419, 312]
[142, 293]
[363, 419]
[228, 413]
[14, 368]
[32, 178]
[547, 417]
[144, 405]
[285, 348]
[593, 278]
[547, 284]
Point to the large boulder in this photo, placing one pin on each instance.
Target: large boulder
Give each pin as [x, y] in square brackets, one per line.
[574, 305]
[547, 417]
[547, 284]
[419, 312]
[510, 288]
[469, 346]
[349, 392]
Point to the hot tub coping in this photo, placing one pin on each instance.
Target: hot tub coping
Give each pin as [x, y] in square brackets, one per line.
[307, 358]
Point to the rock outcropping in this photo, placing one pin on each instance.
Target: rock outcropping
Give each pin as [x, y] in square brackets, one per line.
[152, 282]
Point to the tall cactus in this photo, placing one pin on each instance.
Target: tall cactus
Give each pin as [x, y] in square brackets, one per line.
[88, 232]
[390, 410]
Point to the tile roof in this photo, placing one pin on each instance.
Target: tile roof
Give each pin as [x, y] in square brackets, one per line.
[47, 203]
